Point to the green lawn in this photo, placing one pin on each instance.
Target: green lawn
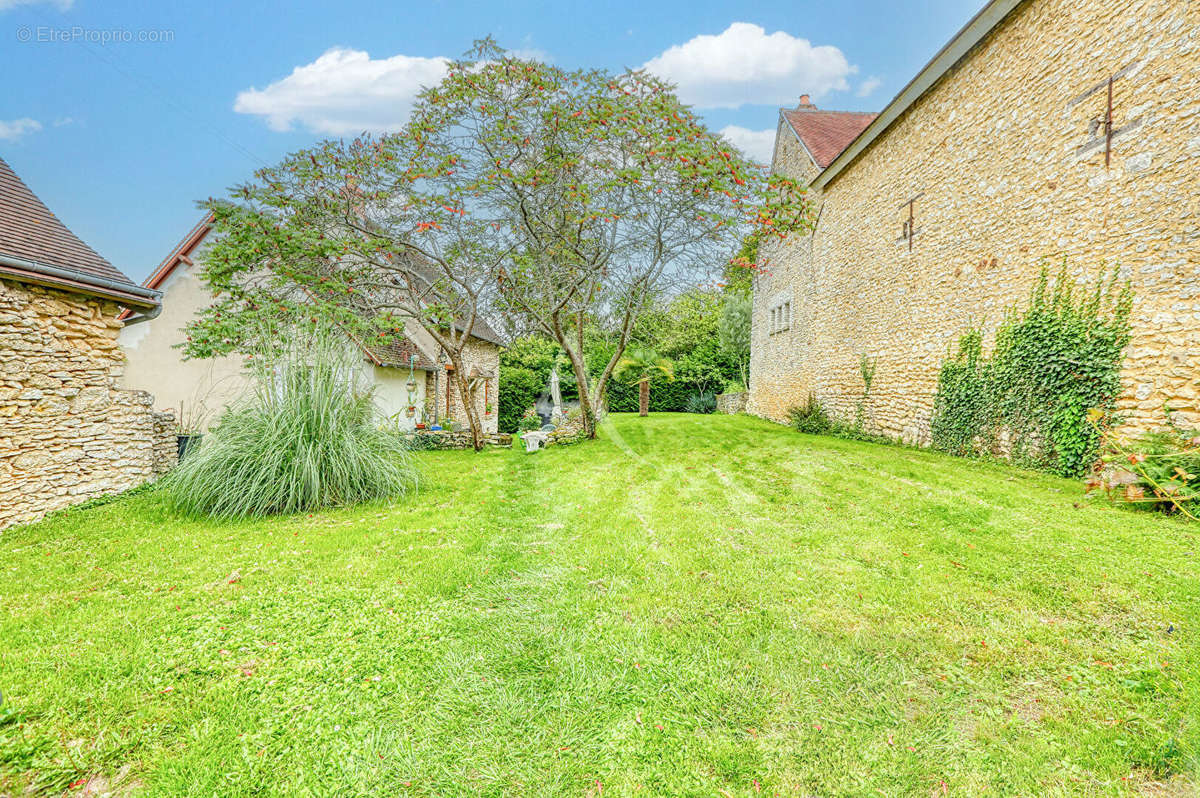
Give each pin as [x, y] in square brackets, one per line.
[693, 605]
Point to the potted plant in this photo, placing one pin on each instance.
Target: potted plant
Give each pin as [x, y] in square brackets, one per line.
[529, 421]
[189, 428]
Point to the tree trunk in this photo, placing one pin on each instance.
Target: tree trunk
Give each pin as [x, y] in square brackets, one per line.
[464, 393]
[585, 398]
[581, 381]
[644, 397]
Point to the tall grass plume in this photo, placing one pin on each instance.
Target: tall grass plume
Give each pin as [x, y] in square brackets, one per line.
[307, 435]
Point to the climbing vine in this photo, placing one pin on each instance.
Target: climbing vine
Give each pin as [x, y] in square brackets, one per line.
[1050, 366]
[866, 367]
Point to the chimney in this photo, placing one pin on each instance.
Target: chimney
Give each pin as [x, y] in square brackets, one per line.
[805, 104]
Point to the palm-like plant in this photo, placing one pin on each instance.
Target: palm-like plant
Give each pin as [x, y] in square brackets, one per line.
[639, 365]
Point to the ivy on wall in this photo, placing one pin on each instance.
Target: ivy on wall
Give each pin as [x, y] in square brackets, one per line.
[1051, 364]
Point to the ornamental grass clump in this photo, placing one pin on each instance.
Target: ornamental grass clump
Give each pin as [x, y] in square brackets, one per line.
[307, 436]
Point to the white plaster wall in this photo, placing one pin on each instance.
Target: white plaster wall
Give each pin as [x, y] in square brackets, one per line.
[392, 396]
[203, 388]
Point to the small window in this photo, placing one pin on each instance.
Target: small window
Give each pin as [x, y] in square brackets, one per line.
[781, 317]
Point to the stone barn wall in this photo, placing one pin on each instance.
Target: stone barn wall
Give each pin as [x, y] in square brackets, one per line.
[1007, 172]
[67, 433]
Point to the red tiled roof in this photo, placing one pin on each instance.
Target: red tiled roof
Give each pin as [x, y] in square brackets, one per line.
[397, 352]
[29, 231]
[826, 133]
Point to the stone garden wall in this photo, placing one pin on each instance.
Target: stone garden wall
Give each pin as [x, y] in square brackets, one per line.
[67, 433]
[732, 402]
[1005, 166]
[450, 439]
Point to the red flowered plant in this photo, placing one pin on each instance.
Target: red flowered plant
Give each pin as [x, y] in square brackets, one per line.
[1158, 469]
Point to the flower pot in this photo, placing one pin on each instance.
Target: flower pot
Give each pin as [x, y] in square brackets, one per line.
[185, 443]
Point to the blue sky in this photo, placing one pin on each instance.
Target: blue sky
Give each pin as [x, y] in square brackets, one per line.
[121, 115]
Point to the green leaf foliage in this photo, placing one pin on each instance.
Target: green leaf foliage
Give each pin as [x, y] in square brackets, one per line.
[1051, 364]
[810, 417]
[1157, 470]
[525, 367]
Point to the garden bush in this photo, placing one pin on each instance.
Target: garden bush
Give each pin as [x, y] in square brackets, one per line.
[525, 367]
[519, 389]
[665, 396]
[1158, 470]
[307, 436]
[701, 402]
[529, 421]
[810, 417]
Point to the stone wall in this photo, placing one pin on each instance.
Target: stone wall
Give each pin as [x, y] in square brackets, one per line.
[449, 439]
[67, 433]
[165, 442]
[571, 429]
[732, 402]
[1008, 173]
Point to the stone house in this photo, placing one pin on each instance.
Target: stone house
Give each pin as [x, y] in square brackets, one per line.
[1007, 152]
[411, 375]
[67, 431]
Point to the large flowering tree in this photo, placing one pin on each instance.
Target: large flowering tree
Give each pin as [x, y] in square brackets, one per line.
[562, 197]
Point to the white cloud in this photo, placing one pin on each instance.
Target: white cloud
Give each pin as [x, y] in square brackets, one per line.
[344, 92]
[868, 87]
[757, 144]
[531, 54]
[61, 5]
[11, 131]
[744, 65]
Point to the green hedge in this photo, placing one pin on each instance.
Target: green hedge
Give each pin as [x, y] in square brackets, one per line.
[519, 389]
[666, 396]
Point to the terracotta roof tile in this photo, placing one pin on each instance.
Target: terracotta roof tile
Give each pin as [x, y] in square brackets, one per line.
[28, 230]
[396, 353]
[827, 133]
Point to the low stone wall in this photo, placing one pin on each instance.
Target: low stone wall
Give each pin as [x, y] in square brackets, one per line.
[732, 402]
[67, 434]
[165, 442]
[449, 439]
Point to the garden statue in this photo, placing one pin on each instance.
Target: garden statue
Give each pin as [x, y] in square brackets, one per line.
[556, 415]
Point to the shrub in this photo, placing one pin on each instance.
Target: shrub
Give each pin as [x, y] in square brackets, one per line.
[810, 417]
[519, 388]
[1051, 365]
[307, 436]
[530, 420]
[701, 402]
[1159, 470]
